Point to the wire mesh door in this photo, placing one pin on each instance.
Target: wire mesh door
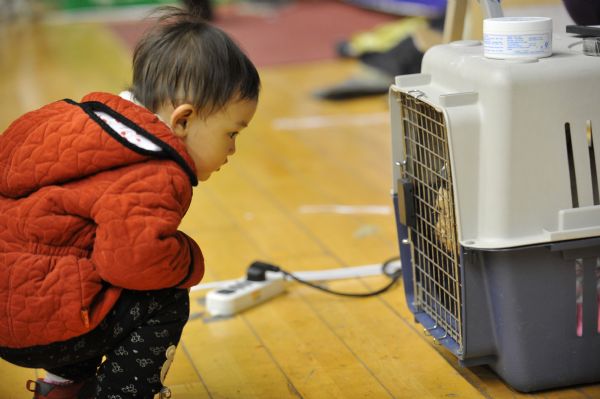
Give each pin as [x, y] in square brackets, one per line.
[435, 251]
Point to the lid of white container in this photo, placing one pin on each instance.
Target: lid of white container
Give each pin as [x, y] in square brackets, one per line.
[517, 25]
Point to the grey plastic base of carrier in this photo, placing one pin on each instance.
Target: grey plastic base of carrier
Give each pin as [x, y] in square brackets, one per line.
[516, 310]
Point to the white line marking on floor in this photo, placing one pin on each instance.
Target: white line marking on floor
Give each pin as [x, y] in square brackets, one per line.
[321, 121]
[347, 209]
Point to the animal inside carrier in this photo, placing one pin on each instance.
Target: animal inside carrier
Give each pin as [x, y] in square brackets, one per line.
[498, 209]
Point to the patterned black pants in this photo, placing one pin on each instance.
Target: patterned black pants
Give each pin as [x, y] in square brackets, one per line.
[133, 340]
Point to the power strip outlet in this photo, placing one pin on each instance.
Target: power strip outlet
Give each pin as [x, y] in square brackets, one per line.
[242, 294]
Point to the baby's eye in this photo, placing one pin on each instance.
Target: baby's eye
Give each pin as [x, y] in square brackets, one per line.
[233, 134]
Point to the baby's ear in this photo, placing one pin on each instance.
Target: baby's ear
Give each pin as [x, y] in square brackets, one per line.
[181, 118]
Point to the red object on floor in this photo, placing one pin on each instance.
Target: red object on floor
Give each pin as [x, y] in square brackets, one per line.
[294, 33]
[46, 390]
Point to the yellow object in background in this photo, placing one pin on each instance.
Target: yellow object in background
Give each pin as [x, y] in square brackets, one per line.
[385, 36]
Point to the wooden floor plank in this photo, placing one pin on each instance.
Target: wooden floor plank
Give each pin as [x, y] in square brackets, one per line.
[183, 378]
[13, 380]
[316, 361]
[47, 63]
[231, 361]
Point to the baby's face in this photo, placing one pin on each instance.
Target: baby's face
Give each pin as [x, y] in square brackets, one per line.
[210, 141]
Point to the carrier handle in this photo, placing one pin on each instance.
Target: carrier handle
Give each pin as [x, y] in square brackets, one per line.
[491, 8]
[406, 203]
[456, 10]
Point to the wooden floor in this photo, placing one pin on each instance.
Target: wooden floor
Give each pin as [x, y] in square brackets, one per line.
[298, 152]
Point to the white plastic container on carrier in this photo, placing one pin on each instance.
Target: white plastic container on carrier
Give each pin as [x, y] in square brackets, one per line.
[495, 187]
[517, 37]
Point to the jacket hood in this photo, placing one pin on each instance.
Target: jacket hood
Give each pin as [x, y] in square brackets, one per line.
[66, 141]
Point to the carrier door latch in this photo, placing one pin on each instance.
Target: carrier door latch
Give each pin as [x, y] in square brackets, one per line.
[406, 202]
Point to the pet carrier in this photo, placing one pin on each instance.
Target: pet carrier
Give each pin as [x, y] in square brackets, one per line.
[498, 210]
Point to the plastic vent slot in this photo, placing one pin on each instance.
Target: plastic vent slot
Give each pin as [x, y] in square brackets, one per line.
[435, 251]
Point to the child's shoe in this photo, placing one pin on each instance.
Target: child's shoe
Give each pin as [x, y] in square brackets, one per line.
[45, 390]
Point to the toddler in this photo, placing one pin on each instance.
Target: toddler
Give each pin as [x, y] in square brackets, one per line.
[94, 274]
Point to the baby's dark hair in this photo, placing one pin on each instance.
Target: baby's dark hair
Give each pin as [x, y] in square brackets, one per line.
[185, 59]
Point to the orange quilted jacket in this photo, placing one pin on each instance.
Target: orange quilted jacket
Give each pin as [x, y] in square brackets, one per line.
[85, 213]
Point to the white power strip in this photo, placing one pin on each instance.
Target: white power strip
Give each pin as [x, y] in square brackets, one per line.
[242, 294]
[233, 296]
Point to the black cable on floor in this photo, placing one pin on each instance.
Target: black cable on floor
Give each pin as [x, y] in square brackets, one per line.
[257, 272]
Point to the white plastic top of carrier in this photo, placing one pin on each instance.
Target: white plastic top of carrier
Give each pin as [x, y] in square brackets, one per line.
[506, 123]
